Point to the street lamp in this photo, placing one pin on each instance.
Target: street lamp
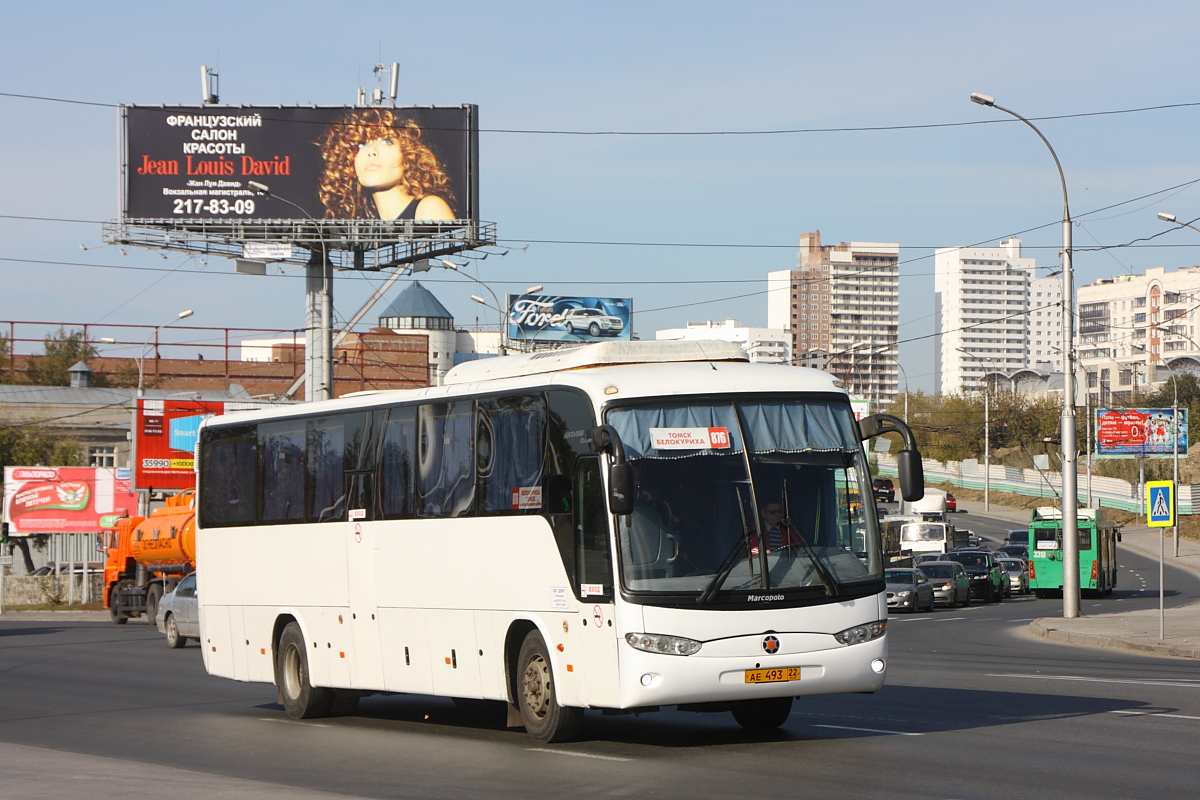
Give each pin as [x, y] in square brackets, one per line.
[987, 428]
[1070, 454]
[142, 358]
[1165, 217]
[318, 312]
[500, 310]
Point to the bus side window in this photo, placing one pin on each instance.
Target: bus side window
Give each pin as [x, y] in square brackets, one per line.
[398, 464]
[593, 559]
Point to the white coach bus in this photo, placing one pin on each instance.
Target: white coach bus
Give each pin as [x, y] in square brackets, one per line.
[560, 531]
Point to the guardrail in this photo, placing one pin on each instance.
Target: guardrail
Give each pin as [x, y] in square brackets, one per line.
[1105, 492]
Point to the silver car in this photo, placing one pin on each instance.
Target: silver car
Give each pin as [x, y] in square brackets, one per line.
[951, 584]
[1018, 574]
[178, 614]
[908, 589]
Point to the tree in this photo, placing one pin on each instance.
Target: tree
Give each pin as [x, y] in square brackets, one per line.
[62, 349]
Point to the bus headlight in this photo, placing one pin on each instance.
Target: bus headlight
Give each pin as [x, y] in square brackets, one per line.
[862, 633]
[666, 645]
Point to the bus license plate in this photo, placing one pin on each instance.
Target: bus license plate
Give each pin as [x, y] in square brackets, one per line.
[773, 675]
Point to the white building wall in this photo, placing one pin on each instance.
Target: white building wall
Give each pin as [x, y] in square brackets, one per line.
[981, 302]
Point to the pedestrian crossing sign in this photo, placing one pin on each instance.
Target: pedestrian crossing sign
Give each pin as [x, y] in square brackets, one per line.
[1160, 504]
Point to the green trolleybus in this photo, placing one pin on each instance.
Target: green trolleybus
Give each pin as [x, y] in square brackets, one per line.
[1097, 552]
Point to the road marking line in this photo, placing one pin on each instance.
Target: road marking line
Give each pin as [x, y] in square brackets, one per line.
[577, 755]
[1153, 714]
[868, 730]
[1185, 684]
[294, 722]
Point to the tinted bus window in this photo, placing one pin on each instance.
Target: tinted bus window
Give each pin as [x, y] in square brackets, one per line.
[229, 477]
[446, 470]
[281, 447]
[398, 464]
[509, 454]
[325, 468]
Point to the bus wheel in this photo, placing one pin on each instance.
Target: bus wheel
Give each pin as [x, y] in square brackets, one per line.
[762, 715]
[299, 698]
[545, 720]
[152, 597]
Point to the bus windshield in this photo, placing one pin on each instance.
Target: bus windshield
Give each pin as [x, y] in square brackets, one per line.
[746, 495]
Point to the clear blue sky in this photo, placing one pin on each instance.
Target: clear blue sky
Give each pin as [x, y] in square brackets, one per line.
[629, 66]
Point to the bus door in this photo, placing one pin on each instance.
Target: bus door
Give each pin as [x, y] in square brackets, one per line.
[596, 587]
[362, 532]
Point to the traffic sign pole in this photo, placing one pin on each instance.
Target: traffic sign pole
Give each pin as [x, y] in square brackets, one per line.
[1160, 513]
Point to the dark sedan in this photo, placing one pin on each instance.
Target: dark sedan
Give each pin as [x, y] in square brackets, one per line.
[988, 581]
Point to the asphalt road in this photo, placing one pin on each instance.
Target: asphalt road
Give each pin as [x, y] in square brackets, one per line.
[975, 707]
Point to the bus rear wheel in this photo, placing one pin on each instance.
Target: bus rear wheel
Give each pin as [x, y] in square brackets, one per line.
[762, 715]
[299, 698]
[545, 720]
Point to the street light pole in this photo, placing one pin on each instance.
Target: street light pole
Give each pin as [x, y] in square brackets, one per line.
[1069, 433]
[987, 433]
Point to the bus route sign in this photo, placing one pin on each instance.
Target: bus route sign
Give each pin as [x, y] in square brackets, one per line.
[1160, 504]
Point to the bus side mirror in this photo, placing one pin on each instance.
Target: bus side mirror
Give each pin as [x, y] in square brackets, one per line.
[620, 474]
[620, 488]
[912, 475]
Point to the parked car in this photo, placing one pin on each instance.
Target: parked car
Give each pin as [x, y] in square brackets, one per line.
[908, 589]
[987, 579]
[1013, 551]
[951, 503]
[1018, 574]
[883, 489]
[178, 614]
[951, 584]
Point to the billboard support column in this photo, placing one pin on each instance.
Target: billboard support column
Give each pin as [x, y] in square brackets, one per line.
[318, 337]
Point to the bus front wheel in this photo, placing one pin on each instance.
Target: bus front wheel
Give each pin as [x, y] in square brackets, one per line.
[762, 715]
[299, 698]
[545, 720]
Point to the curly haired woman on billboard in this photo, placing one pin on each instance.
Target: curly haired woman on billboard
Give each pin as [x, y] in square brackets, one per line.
[376, 166]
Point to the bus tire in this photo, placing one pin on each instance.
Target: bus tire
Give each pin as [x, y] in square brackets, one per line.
[545, 720]
[153, 595]
[766, 714]
[299, 698]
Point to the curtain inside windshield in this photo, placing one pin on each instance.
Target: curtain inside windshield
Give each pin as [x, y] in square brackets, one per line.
[721, 485]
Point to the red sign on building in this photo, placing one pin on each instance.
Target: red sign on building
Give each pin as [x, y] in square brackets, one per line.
[65, 499]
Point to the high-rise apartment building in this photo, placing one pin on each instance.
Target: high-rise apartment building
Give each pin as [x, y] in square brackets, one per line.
[841, 307]
[983, 297]
[1134, 330]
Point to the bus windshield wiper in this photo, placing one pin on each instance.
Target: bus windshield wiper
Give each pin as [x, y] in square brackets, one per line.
[785, 524]
[739, 546]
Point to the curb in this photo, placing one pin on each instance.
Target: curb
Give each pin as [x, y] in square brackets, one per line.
[1041, 627]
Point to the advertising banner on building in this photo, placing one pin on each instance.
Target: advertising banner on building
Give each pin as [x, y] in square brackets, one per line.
[1140, 432]
[165, 445]
[395, 163]
[65, 499]
[550, 318]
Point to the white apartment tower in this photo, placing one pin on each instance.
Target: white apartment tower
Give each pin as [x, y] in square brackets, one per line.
[762, 345]
[1135, 330]
[983, 301]
[842, 309]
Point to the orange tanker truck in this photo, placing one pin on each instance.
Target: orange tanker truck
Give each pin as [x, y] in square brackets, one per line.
[147, 556]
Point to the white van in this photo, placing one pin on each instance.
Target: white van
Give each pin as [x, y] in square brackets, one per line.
[934, 502]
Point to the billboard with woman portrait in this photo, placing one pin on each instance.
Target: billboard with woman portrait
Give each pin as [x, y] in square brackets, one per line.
[326, 163]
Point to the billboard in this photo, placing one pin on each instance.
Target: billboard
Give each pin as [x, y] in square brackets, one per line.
[165, 440]
[327, 162]
[1140, 432]
[66, 499]
[551, 318]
